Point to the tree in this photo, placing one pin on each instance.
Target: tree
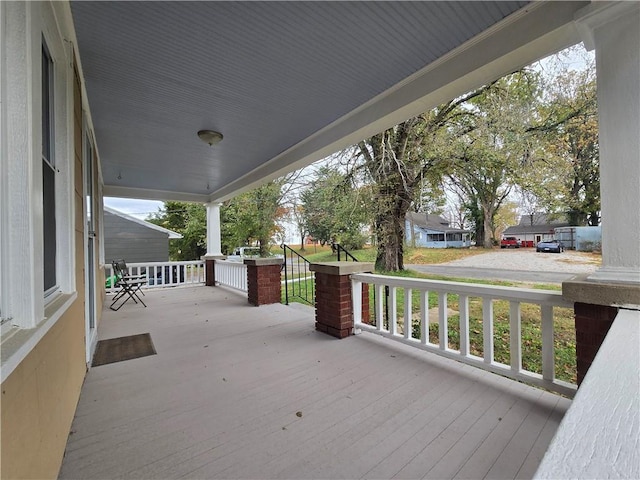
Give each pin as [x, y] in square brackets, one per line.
[506, 216]
[334, 209]
[575, 142]
[488, 158]
[565, 173]
[188, 219]
[397, 161]
[252, 217]
[296, 213]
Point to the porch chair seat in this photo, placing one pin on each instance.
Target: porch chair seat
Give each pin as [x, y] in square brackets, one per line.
[128, 285]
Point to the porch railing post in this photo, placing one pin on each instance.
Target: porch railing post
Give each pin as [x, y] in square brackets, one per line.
[210, 269]
[334, 302]
[263, 280]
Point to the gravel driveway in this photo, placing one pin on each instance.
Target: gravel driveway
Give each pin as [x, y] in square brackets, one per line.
[530, 260]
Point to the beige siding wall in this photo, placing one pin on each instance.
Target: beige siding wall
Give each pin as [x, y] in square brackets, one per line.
[39, 398]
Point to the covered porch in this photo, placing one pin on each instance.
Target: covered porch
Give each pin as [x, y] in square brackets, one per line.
[236, 391]
[129, 86]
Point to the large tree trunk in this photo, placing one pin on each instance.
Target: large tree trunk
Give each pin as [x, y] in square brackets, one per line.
[487, 226]
[394, 199]
[263, 243]
[390, 232]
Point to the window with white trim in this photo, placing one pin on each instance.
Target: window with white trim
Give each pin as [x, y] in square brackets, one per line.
[48, 173]
[37, 220]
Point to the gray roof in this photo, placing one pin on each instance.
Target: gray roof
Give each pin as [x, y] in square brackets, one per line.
[433, 222]
[172, 235]
[536, 223]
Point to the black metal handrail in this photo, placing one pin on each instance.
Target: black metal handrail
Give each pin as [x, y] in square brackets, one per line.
[337, 248]
[296, 277]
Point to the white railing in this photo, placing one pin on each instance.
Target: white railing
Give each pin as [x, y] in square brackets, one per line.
[162, 274]
[231, 274]
[386, 293]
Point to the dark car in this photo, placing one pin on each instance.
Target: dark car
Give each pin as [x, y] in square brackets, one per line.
[550, 246]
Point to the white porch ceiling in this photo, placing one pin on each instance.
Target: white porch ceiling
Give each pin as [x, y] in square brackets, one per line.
[286, 83]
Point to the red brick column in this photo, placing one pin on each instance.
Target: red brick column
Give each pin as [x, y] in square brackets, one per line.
[334, 308]
[263, 280]
[592, 325]
[210, 273]
[210, 269]
[595, 308]
[365, 304]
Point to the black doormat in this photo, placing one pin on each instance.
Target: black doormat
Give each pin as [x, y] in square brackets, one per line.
[123, 348]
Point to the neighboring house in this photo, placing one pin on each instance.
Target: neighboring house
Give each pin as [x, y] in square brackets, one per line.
[534, 228]
[433, 231]
[109, 98]
[134, 240]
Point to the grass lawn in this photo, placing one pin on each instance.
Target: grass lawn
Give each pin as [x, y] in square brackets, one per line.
[531, 337]
[317, 253]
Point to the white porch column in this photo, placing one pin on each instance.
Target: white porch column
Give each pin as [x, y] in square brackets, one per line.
[613, 29]
[214, 245]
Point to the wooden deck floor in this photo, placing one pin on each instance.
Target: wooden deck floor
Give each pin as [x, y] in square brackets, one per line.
[242, 392]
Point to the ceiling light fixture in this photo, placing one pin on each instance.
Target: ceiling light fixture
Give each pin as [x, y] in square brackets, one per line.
[210, 136]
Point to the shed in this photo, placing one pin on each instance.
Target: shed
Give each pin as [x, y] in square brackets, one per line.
[534, 228]
[135, 240]
[582, 239]
[433, 231]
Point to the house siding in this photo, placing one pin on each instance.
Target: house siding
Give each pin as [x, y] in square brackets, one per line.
[133, 242]
[40, 396]
[418, 236]
[39, 400]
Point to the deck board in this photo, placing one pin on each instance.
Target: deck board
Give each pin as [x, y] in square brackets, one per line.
[219, 400]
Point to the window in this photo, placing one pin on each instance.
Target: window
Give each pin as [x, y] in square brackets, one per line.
[37, 222]
[48, 174]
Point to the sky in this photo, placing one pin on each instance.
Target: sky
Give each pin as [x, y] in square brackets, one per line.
[137, 208]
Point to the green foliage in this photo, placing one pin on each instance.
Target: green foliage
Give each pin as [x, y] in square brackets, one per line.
[188, 219]
[251, 218]
[520, 131]
[488, 154]
[334, 210]
[564, 174]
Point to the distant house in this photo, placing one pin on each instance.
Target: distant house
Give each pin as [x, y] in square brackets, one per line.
[134, 240]
[433, 231]
[535, 227]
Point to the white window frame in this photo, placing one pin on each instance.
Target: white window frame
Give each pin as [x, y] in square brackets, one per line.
[49, 158]
[5, 319]
[25, 26]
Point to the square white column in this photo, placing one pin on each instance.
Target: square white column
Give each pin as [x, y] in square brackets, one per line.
[613, 29]
[214, 244]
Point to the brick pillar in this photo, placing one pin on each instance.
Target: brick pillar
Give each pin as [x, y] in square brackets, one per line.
[592, 325]
[210, 273]
[365, 304]
[210, 269]
[263, 280]
[595, 308]
[334, 308]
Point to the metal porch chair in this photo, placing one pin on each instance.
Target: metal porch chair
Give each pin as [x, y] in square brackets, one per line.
[129, 285]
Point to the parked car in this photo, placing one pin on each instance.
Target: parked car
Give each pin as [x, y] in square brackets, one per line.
[240, 253]
[550, 246]
[509, 242]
